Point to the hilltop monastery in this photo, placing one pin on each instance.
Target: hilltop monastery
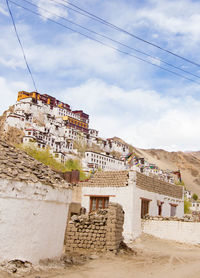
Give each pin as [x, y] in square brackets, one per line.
[49, 123]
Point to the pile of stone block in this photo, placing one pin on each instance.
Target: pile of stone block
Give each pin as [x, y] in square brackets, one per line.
[100, 230]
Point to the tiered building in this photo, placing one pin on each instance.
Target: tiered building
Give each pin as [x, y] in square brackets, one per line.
[50, 123]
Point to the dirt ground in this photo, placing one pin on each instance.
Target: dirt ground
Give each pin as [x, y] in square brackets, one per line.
[155, 258]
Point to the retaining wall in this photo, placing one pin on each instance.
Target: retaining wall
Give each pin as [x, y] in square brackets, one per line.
[185, 232]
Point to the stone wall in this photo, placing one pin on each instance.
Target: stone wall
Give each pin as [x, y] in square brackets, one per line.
[98, 231]
[158, 186]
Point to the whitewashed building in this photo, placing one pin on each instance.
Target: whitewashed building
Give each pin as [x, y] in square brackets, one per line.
[138, 194]
[195, 206]
[188, 194]
[94, 161]
[34, 204]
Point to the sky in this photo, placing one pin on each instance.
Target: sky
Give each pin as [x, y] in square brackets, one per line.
[146, 106]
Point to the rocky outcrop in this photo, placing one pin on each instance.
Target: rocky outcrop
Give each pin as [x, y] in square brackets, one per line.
[12, 135]
[3, 119]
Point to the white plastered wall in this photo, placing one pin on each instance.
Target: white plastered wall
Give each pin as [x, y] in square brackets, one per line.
[33, 220]
[130, 199]
[120, 195]
[153, 208]
[185, 232]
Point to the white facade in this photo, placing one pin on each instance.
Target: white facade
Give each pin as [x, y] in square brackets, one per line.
[33, 220]
[113, 145]
[94, 160]
[188, 194]
[130, 199]
[184, 232]
[195, 206]
[94, 133]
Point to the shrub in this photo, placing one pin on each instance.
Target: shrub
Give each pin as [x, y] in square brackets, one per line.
[195, 197]
[47, 158]
[187, 206]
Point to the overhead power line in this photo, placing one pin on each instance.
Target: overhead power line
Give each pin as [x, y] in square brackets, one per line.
[115, 41]
[109, 24]
[102, 43]
[20, 43]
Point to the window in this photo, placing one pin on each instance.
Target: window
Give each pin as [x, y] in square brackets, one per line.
[98, 203]
[173, 210]
[144, 207]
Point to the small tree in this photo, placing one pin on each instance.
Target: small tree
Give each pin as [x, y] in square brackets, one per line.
[195, 197]
[187, 206]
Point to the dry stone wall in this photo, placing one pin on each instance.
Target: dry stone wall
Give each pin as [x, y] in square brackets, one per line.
[98, 231]
[161, 187]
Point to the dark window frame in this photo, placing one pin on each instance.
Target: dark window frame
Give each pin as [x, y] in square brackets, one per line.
[145, 206]
[95, 201]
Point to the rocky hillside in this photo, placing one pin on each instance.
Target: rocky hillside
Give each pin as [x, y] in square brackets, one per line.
[12, 135]
[187, 162]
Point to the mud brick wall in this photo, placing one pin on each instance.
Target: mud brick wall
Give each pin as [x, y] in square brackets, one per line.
[98, 231]
[155, 185]
[114, 229]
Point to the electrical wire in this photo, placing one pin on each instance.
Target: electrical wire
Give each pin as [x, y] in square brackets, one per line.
[109, 24]
[115, 41]
[104, 44]
[20, 43]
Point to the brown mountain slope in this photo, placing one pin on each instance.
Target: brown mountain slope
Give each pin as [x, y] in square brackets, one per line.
[187, 162]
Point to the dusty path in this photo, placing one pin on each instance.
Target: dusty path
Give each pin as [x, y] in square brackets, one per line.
[155, 258]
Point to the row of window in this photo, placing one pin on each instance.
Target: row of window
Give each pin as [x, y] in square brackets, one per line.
[63, 112]
[73, 121]
[145, 208]
[95, 158]
[102, 203]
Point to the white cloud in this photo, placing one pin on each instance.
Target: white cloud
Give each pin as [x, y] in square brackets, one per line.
[8, 92]
[173, 16]
[50, 9]
[172, 24]
[144, 118]
[3, 10]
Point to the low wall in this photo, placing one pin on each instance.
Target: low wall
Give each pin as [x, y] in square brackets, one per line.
[32, 220]
[100, 230]
[185, 232]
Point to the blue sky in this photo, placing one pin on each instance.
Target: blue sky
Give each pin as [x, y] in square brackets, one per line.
[124, 97]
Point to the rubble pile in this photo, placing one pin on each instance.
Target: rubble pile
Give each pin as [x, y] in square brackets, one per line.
[99, 231]
[17, 165]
